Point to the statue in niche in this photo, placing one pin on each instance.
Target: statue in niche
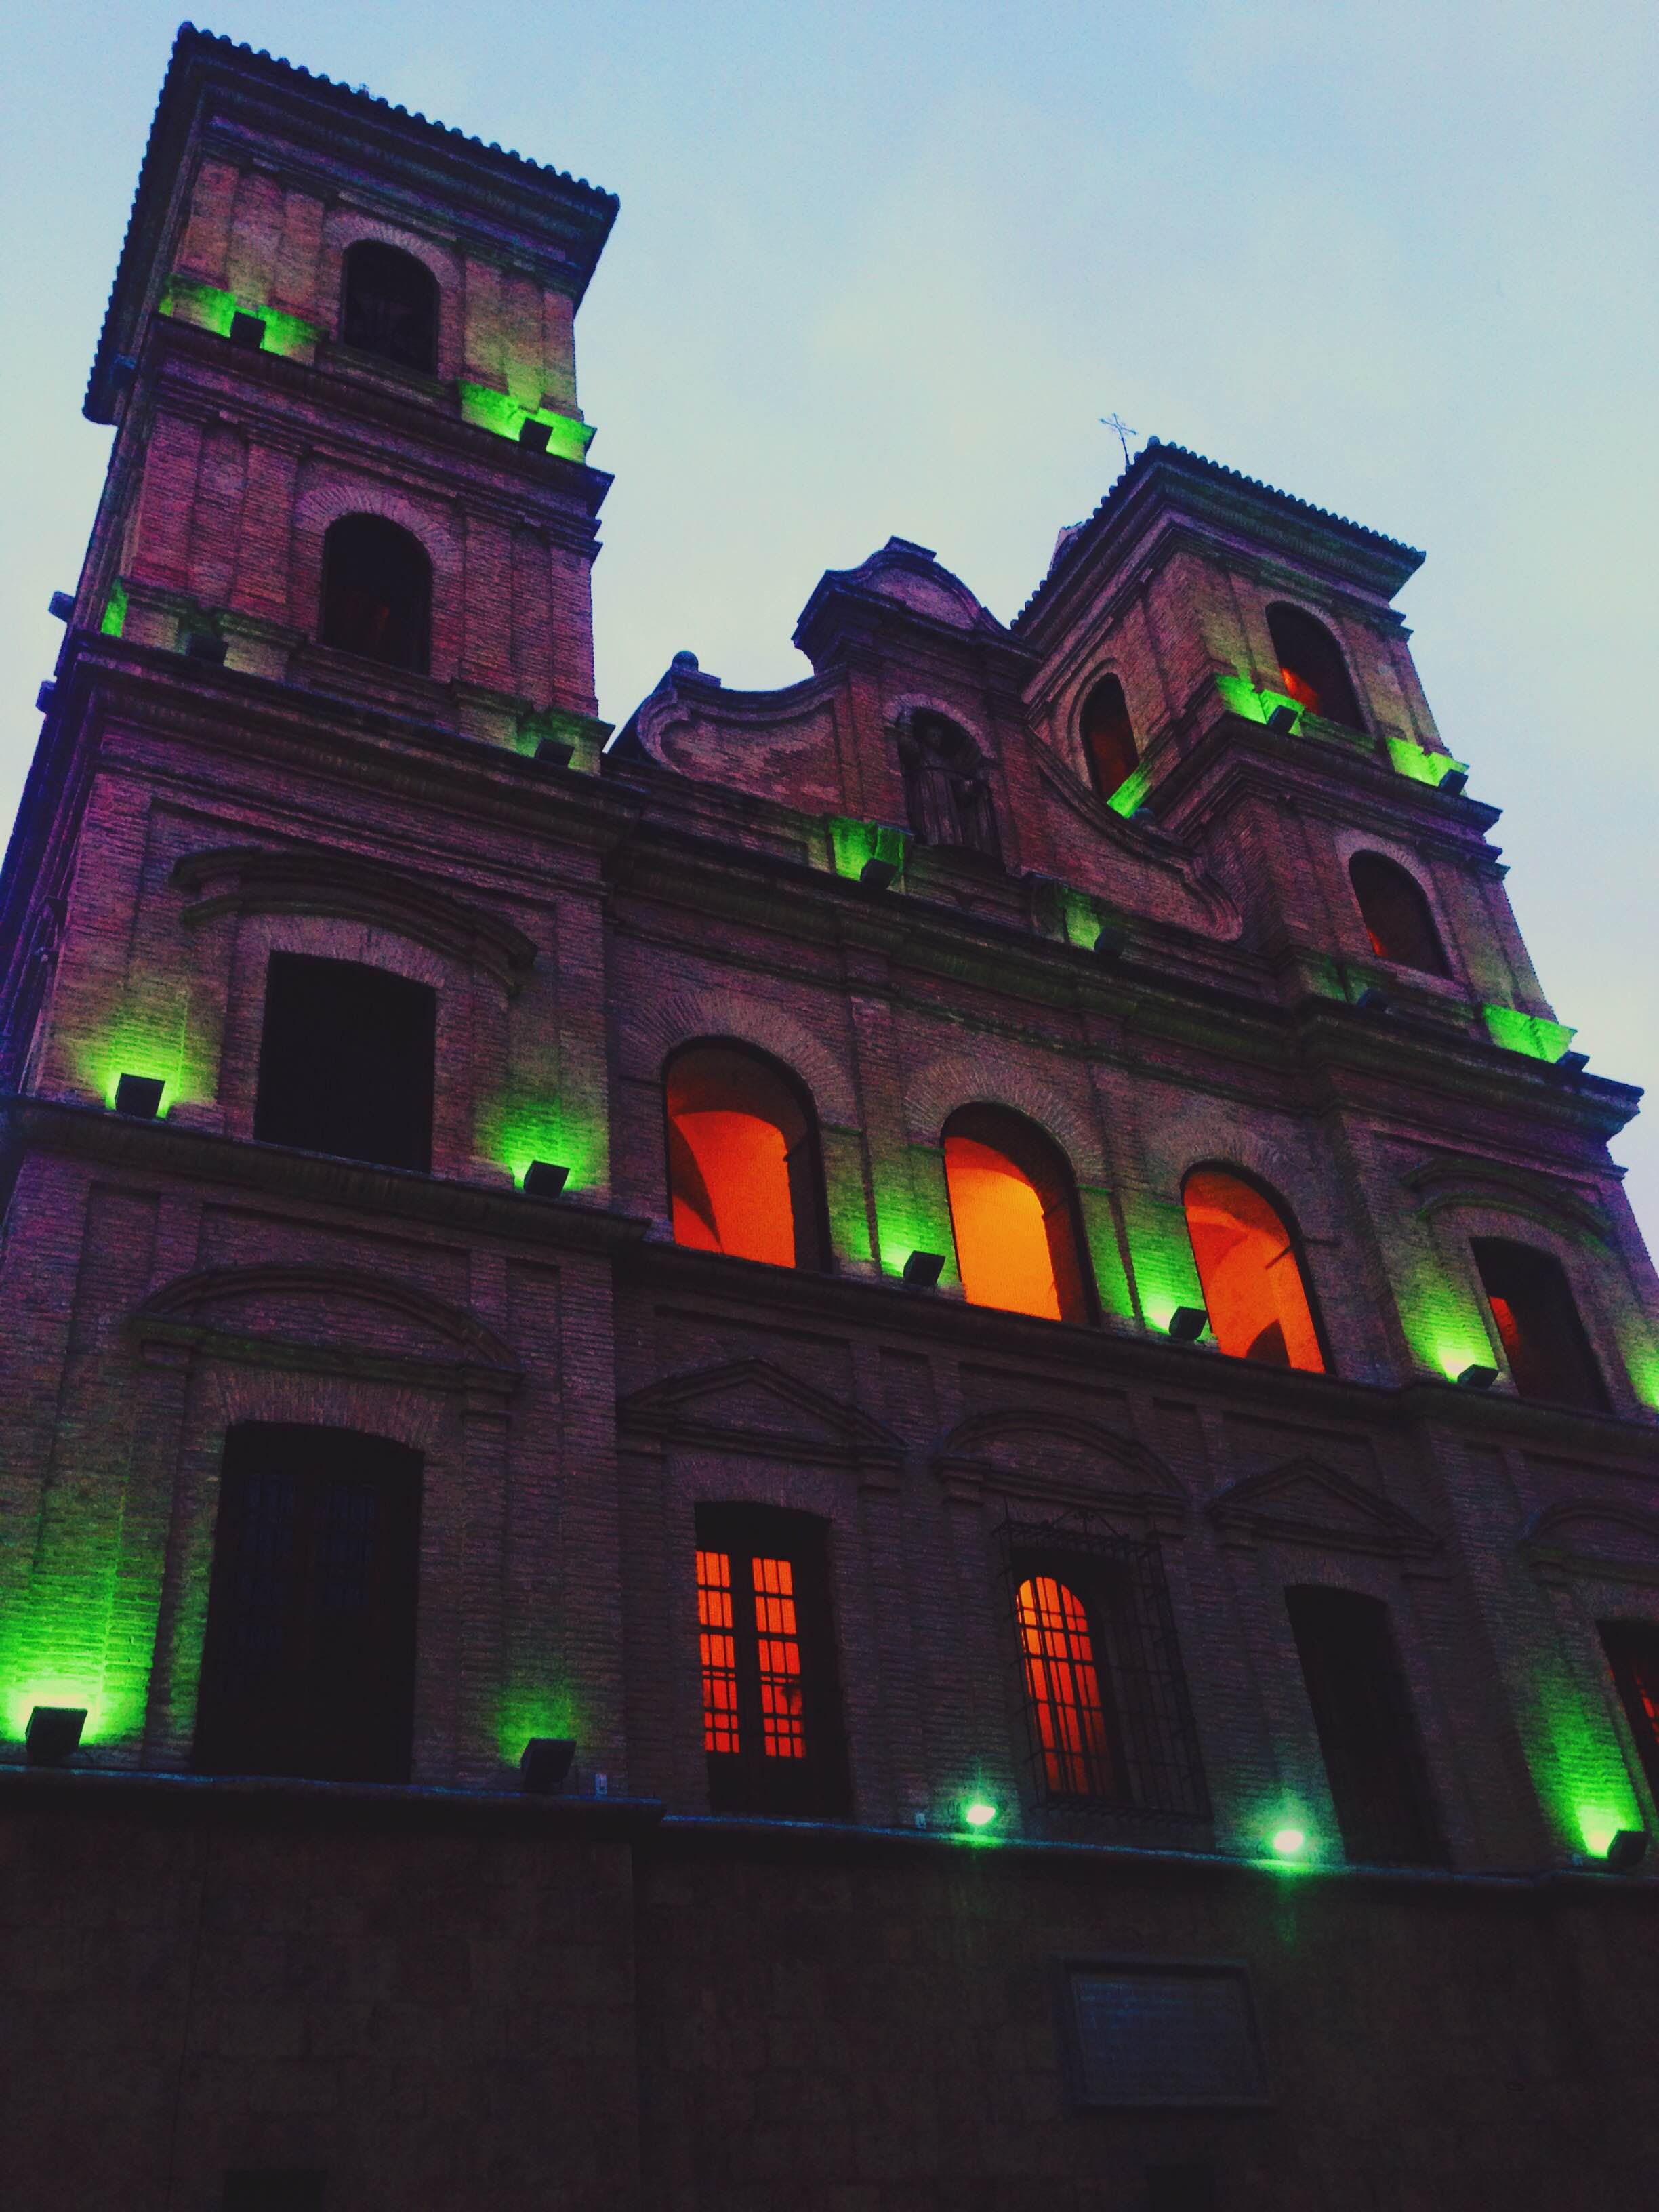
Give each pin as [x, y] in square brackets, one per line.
[947, 795]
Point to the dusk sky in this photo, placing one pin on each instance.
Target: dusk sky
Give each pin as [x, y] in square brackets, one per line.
[882, 270]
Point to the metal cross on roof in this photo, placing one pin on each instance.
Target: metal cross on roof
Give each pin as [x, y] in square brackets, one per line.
[1124, 432]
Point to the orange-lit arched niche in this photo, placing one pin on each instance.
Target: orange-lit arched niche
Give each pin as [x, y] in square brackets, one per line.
[1251, 1276]
[743, 1157]
[1312, 666]
[1013, 1211]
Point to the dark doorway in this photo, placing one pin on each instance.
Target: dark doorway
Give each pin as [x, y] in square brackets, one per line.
[309, 1664]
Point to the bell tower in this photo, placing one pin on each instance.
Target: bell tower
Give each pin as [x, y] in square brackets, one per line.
[340, 361]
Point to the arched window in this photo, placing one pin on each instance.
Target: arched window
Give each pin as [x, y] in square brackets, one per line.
[946, 794]
[1311, 666]
[1543, 1338]
[1013, 1211]
[390, 305]
[1109, 740]
[742, 1158]
[377, 592]
[1396, 913]
[1251, 1277]
[1064, 1689]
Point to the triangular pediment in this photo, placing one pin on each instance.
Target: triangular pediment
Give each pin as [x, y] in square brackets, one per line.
[1307, 1502]
[750, 1406]
[1057, 1457]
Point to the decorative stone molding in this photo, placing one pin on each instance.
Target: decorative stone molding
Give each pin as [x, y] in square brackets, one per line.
[1305, 1503]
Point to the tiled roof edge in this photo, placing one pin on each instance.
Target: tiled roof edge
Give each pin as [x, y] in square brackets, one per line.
[190, 41]
[1118, 492]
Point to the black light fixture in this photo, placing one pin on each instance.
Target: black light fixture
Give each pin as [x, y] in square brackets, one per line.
[544, 1179]
[555, 752]
[1454, 781]
[43, 698]
[924, 1269]
[544, 1764]
[1627, 1850]
[202, 645]
[248, 331]
[1373, 1000]
[139, 1096]
[880, 874]
[1189, 1323]
[61, 606]
[1111, 943]
[1474, 1376]
[1573, 1063]
[534, 434]
[1283, 718]
[53, 1732]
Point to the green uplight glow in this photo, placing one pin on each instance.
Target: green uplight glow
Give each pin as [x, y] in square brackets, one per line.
[1161, 1251]
[1598, 1824]
[514, 1131]
[114, 618]
[1130, 792]
[854, 844]
[488, 409]
[979, 1813]
[155, 1041]
[1532, 1034]
[913, 1210]
[527, 1711]
[211, 309]
[1422, 766]
[1256, 702]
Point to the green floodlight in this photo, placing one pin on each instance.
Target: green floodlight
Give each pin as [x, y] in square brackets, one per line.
[1288, 1843]
[979, 1813]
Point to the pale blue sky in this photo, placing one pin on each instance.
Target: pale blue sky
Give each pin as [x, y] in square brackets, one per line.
[880, 269]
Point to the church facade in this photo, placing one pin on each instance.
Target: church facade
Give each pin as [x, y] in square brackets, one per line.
[882, 1445]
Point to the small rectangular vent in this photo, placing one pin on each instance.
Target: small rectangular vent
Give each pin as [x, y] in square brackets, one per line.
[1165, 2033]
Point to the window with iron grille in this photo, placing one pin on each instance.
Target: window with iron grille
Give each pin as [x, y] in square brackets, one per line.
[1632, 1649]
[1107, 1721]
[308, 1668]
[1367, 1734]
[771, 1707]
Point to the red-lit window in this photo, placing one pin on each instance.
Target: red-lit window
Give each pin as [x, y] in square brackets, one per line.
[377, 592]
[1395, 914]
[1632, 1649]
[1312, 666]
[1543, 1338]
[742, 1158]
[1108, 738]
[770, 1706]
[1251, 1277]
[1062, 1682]
[1013, 1214]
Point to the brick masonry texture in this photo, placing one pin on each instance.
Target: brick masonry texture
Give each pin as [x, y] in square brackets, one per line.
[445, 1994]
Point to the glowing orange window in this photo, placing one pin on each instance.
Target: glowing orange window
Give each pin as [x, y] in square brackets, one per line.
[1013, 1216]
[1312, 666]
[777, 1661]
[1252, 1281]
[1063, 1684]
[719, 1651]
[742, 1159]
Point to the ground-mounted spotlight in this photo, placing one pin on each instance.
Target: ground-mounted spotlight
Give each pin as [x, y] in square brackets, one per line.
[1476, 1376]
[979, 1813]
[1110, 945]
[1627, 1850]
[53, 1732]
[248, 331]
[139, 1096]
[1455, 782]
[1372, 1000]
[534, 434]
[555, 752]
[1283, 718]
[544, 1764]
[61, 606]
[924, 1269]
[545, 1179]
[202, 645]
[1189, 1323]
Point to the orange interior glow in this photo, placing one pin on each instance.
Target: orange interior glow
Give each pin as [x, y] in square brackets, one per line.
[1002, 1239]
[1253, 1287]
[719, 1651]
[777, 1651]
[1064, 1688]
[731, 1185]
